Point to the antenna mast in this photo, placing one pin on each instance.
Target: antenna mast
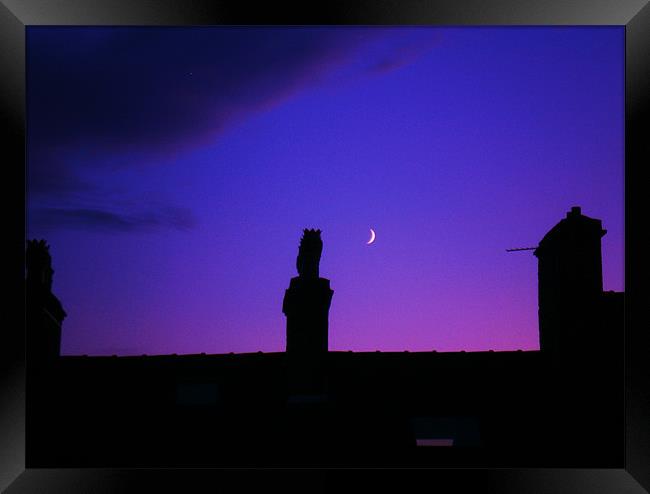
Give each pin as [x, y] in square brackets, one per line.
[520, 248]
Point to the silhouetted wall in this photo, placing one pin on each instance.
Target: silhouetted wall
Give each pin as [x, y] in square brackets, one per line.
[570, 283]
[608, 342]
[44, 312]
[306, 305]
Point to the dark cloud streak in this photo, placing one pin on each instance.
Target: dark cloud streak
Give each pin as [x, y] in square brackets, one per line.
[159, 88]
[99, 96]
[101, 220]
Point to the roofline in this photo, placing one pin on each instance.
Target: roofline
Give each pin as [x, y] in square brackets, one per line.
[333, 352]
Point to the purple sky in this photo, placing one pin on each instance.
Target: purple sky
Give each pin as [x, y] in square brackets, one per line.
[172, 171]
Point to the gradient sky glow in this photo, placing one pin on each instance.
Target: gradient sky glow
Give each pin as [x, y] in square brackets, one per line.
[172, 171]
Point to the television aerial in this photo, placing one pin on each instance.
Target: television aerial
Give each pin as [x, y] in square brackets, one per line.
[520, 248]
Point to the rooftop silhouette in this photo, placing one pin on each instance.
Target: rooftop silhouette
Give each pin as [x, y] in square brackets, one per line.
[309, 406]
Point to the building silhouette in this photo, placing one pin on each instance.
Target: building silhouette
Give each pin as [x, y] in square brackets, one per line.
[306, 305]
[578, 323]
[307, 301]
[570, 282]
[44, 312]
[558, 407]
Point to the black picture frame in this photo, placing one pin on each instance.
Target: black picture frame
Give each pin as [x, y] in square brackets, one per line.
[15, 15]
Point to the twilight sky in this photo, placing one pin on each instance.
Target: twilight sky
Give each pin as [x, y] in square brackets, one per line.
[172, 171]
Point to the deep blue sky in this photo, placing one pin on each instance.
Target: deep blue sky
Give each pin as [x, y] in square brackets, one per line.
[172, 170]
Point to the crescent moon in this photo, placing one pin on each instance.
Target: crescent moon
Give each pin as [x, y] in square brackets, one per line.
[372, 236]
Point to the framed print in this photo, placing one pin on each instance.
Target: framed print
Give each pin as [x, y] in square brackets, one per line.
[359, 235]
